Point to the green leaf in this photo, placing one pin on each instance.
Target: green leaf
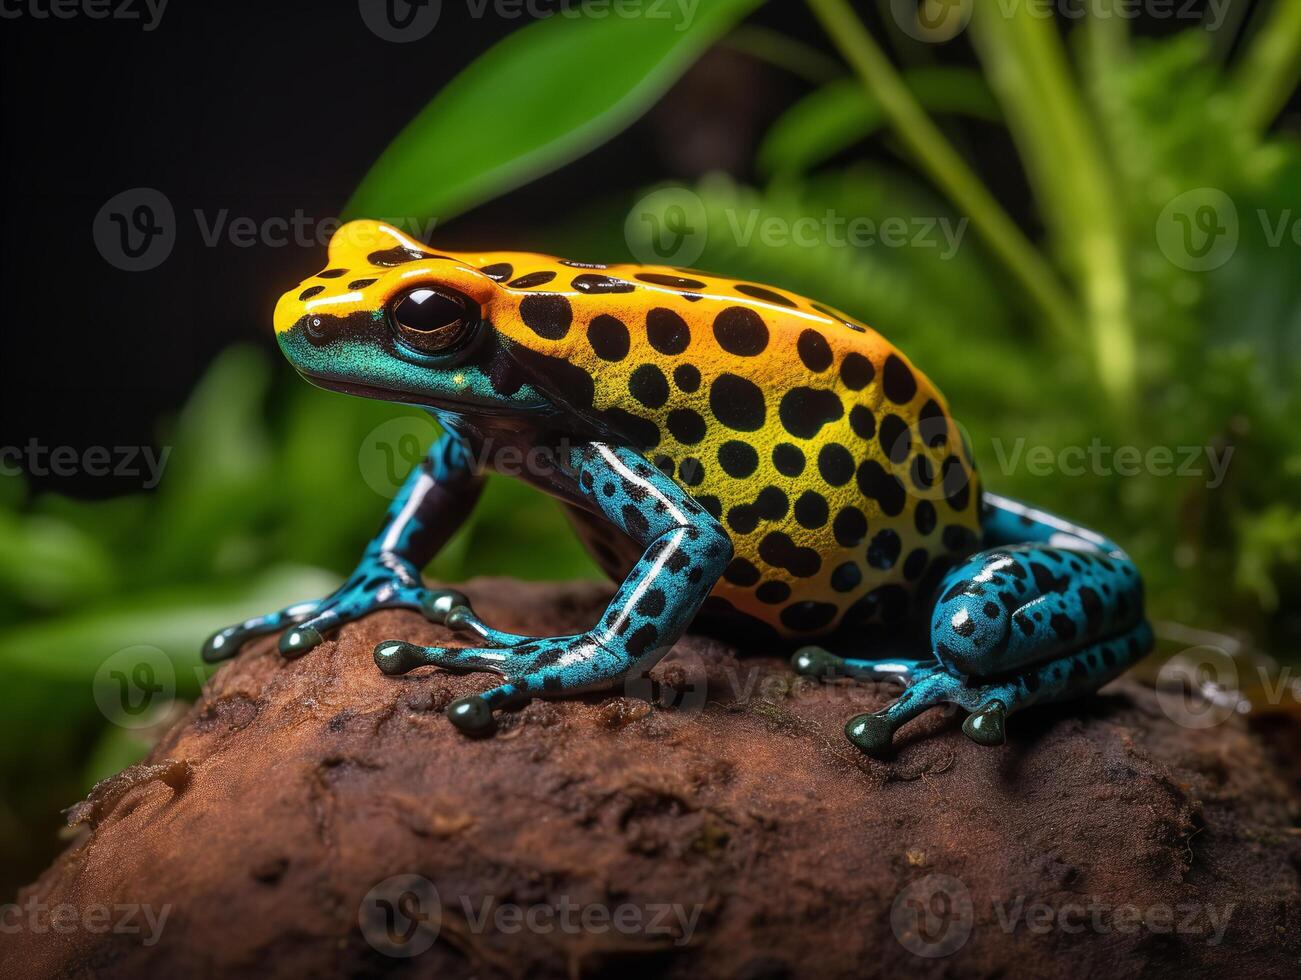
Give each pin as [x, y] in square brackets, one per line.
[219, 477]
[540, 98]
[176, 619]
[841, 113]
[48, 563]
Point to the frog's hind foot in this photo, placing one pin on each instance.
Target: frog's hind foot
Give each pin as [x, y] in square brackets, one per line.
[991, 703]
[1020, 624]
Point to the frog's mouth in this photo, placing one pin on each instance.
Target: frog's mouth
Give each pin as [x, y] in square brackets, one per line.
[453, 406]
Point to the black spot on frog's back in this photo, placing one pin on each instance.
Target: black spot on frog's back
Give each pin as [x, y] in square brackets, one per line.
[737, 402]
[804, 411]
[549, 315]
[591, 282]
[399, 255]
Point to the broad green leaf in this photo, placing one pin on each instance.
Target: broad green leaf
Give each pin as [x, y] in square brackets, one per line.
[841, 113]
[219, 475]
[47, 562]
[176, 619]
[542, 97]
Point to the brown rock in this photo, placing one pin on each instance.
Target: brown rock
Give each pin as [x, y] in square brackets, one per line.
[737, 835]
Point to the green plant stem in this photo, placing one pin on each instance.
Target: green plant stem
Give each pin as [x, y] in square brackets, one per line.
[786, 53]
[1068, 170]
[1270, 69]
[946, 167]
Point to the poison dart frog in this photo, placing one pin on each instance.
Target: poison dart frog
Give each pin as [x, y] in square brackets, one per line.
[724, 449]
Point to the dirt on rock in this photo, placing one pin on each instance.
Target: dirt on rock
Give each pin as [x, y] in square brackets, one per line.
[317, 818]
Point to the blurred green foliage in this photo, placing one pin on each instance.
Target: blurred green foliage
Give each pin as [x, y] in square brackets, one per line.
[1090, 332]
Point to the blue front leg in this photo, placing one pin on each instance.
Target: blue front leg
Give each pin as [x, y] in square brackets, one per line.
[686, 551]
[1049, 611]
[431, 505]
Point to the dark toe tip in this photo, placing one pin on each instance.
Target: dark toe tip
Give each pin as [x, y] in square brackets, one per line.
[297, 642]
[397, 657]
[814, 662]
[871, 733]
[986, 726]
[471, 715]
[219, 646]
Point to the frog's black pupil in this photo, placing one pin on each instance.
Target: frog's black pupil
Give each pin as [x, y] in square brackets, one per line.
[424, 309]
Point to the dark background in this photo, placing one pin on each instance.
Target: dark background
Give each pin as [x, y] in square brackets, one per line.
[263, 111]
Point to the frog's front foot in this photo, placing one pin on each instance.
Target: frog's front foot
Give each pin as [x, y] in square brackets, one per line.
[380, 582]
[531, 667]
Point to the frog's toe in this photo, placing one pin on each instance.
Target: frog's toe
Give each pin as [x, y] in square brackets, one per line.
[987, 725]
[816, 662]
[472, 715]
[299, 640]
[222, 645]
[874, 732]
[225, 643]
[871, 732]
[309, 633]
[397, 657]
[462, 619]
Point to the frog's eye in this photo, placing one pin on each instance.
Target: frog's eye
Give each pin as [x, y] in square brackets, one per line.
[433, 321]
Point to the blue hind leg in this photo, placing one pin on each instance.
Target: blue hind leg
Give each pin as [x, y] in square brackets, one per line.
[1049, 611]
